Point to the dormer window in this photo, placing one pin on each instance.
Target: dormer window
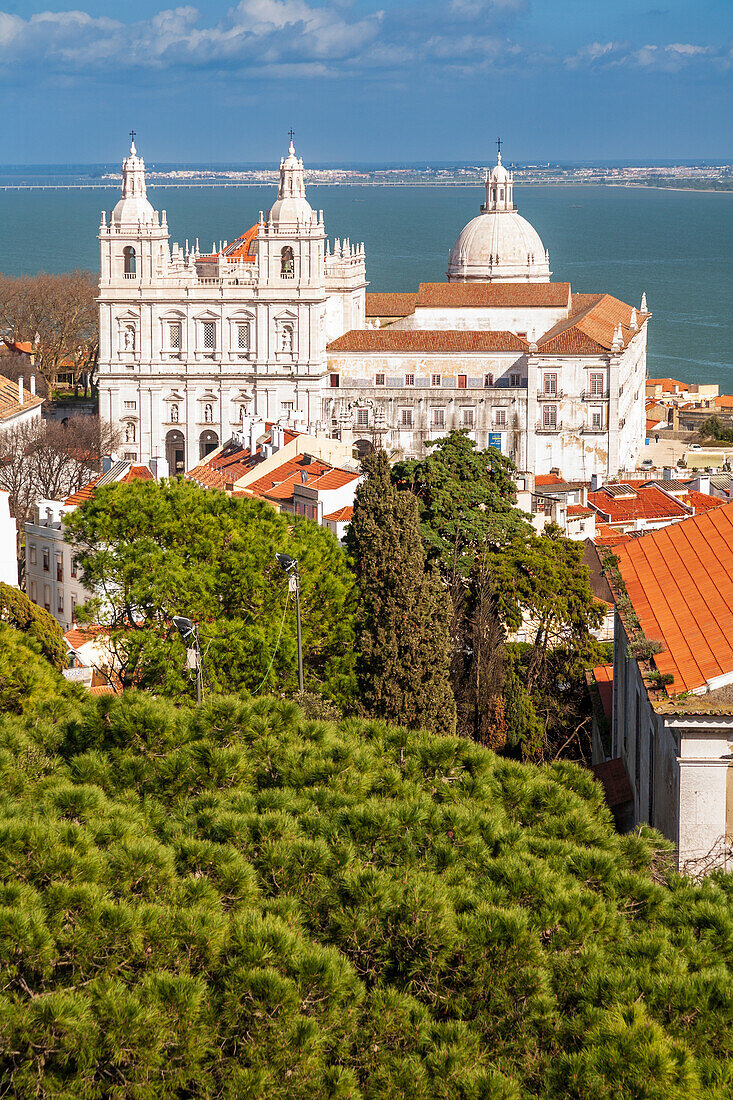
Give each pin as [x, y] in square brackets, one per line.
[130, 262]
[287, 262]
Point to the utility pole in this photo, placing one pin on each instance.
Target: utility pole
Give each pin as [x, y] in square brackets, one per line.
[190, 634]
[290, 566]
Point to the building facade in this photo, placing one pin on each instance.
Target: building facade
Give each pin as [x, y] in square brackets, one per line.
[192, 344]
[278, 326]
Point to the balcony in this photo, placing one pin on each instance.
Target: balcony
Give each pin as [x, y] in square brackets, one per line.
[129, 275]
[546, 395]
[588, 429]
[549, 429]
[590, 395]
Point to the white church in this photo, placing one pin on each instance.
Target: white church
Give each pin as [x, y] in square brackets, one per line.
[276, 326]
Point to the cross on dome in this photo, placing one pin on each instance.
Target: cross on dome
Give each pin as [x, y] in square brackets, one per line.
[133, 150]
[291, 132]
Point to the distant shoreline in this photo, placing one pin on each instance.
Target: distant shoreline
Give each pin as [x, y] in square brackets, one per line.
[216, 184]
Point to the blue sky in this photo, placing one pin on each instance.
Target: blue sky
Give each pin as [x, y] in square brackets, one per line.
[367, 80]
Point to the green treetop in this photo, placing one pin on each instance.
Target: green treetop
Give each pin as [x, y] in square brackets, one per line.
[152, 550]
[404, 611]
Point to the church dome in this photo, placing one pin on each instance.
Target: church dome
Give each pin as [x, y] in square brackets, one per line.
[499, 245]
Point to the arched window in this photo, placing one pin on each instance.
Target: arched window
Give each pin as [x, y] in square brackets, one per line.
[208, 414]
[208, 442]
[287, 262]
[130, 261]
[175, 451]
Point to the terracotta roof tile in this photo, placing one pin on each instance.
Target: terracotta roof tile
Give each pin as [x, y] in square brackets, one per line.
[579, 510]
[387, 340]
[603, 676]
[680, 582]
[242, 250]
[548, 479]
[645, 502]
[9, 403]
[343, 515]
[592, 328]
[390, 305]
[493, 295]
[336, 478]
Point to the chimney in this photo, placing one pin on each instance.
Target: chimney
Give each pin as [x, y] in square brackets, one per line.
[583, 496]
[33, 385]
[20, 391]
[596, 482]
[256, 429]
[159, 468]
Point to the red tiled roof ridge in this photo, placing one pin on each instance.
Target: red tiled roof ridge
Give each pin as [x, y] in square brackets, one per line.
[592, 327]
[493, 295]
[421, 340]
[390, 304]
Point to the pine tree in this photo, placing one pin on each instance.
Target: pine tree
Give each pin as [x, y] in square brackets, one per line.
[403, 620]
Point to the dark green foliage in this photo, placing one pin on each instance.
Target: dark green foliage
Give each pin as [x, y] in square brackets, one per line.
[157, 550]
[18, 611]
[236, 902]
[404, 609]
[713, 428]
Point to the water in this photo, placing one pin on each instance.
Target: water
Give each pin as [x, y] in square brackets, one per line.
[675, 245]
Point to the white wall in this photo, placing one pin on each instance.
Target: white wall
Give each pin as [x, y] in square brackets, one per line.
[8, 544]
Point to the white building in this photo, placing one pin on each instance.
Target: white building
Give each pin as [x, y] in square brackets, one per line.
[192, 344]
[274, 326]
[18, 405]
[8, 543]
[53, 578]
[552, 378]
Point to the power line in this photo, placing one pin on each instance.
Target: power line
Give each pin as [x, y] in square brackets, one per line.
[277, 643]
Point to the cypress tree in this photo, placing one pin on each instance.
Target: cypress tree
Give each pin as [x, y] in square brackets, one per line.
[403, 620]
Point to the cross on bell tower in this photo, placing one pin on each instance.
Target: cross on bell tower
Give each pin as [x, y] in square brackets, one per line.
[499, 144]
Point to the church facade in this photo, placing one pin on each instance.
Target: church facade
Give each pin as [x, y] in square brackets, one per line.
[194, 346]
[275, 326]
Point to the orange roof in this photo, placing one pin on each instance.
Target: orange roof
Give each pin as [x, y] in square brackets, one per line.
[77, 638]
[9, 403]
[651, 425]
[579, 510]
[548, 479]
[102, 689]
[25, 347]
[725, 401]
[701, 502]
[591, 326]
[390, 305]
[387, 340]
[336, 478]
[279, 483]
[135, 473]
[680, 582]
[493, 295]
[667, 384]
[647, 501]
[343, 515]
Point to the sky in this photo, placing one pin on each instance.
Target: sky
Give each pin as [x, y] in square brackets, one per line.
[370, 81]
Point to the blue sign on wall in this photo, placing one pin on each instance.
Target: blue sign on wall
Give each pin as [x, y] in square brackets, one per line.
[495, 440]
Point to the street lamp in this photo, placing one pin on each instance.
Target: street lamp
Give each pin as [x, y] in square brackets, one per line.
[290, 566]
[190, 634]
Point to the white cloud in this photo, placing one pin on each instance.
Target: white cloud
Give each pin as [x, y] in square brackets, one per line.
[666, 58]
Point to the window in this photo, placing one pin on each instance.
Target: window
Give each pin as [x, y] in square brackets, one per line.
[33, 591]
[596, 419]
[74, 567]
[287, 406]
[409, 379]
[73, 608]
[462, 380]
[379, 380]
[130, 456]
[243, 336]
[488, 379]
[287, 262]
[130, 262]
[59, 567]
[59, 603]
[47, 596]
[129, 404]
[597, 385]
[438, 418]
[334, 381]
[208, 414]
[500, 418]
[467, 418]
[549, 384]
[46, 560]
[32, 553]
[514, 379]
[362, 418]
[435, 379]
[405, 418]
[174, 336]
[209, 335]
[549, 416]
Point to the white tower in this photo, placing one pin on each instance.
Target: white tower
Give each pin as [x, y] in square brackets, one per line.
[134, 246]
